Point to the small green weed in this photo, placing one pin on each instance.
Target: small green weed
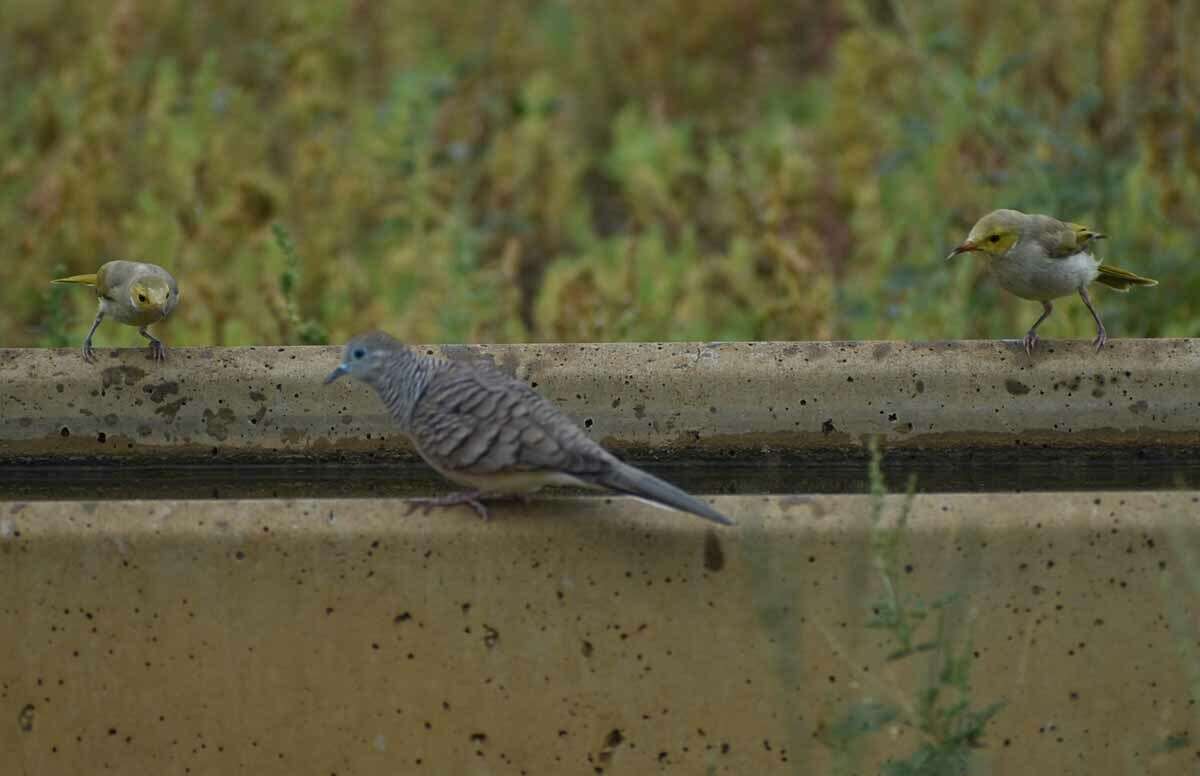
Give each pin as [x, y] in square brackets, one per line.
[307, 330]
[940, 711]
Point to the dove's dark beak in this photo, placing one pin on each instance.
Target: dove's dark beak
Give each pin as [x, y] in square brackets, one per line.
[335, 374]
[966, 247]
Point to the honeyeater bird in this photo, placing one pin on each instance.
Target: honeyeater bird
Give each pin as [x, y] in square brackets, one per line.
[133, 293]
[1041, 258]
[481, 428]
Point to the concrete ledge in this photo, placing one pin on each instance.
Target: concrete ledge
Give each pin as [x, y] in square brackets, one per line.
[702, 399]
[573, 636]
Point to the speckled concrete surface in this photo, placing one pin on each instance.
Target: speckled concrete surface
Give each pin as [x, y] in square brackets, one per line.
[691, 397]
[581, 635]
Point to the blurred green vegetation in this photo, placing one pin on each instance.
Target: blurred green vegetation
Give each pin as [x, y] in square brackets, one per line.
[591, 169]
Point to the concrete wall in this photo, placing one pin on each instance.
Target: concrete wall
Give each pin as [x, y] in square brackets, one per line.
[585, 635]
[673, 397]
[582, 636]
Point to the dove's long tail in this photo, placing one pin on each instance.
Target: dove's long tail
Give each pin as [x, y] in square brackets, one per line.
[633, 481]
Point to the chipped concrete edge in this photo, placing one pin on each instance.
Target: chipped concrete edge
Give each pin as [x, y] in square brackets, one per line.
[693, 399]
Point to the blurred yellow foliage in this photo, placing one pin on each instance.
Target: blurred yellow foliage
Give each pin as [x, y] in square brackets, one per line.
[590, 169]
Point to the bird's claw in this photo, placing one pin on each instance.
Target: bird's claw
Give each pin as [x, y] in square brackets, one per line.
[89, 353]
[158, 351]
[1031, 341]
[1101, 338]
[479, 508]
[453, 499]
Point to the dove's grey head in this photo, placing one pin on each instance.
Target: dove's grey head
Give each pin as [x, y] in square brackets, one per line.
[369, 357]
